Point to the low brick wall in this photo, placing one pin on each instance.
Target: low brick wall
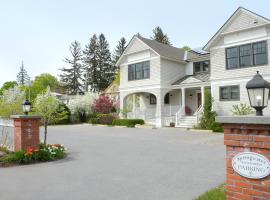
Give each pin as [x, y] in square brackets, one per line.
[238, 138]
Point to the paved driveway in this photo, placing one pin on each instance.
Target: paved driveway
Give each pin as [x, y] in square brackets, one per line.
[106, 163]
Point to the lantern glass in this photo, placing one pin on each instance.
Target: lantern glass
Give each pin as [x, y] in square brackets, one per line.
[26, 106]
[258, 97]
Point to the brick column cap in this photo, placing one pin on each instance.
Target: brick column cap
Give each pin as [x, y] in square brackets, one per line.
[25, 117]
[243, 119]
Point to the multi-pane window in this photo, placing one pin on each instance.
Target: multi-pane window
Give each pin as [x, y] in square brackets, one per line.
[260, 53]
[229, 93]
[139, 71]
[202, 66]
[232, 57]
[153, 99]
[247, 55]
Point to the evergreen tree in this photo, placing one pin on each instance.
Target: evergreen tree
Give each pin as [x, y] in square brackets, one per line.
[72, 76]
[119, 50]
[22, 76]
[90, 59]
[160, 36]
[105, 67]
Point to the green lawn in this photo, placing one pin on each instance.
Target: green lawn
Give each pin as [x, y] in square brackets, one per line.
[218, 193]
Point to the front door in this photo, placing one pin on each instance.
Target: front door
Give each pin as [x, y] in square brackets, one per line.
[199, 99]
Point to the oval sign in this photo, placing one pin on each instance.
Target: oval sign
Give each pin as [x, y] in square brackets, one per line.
[251, 165]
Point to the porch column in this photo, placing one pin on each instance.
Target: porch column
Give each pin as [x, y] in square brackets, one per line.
[133, 102]
[202, 92]
[160, 109]
[183, 99]
[121, 106]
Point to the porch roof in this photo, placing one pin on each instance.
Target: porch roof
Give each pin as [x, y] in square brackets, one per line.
[196, 78]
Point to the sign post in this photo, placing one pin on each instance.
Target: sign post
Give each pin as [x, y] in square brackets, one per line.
[247, 141]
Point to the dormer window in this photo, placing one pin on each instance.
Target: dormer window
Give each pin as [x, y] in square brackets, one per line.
[202, 66]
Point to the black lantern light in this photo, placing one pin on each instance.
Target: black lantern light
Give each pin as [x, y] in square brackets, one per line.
[258, 93]
[26, 106]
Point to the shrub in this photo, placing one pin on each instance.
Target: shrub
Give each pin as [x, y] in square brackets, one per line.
[127, 122]
[63, 114]
[242, 109]
[81, 107]
[93, 120]
[207, 121]
[105, 119]
[103, 104]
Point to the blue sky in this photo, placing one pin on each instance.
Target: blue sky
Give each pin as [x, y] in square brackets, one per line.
[40, 32]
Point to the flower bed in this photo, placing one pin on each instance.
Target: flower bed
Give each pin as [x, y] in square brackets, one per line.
[45, 153]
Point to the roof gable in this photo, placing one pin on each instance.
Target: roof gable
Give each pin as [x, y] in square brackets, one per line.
[241, 19]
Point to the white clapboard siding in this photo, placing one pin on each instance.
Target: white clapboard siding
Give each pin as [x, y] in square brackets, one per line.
[225, 107]
[171, 71]
[243, 20]
[219, 71]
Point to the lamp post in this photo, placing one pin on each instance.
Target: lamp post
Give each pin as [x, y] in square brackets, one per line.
[26, 106]
[258, 93]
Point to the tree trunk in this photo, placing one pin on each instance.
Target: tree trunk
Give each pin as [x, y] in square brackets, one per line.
[45, 132]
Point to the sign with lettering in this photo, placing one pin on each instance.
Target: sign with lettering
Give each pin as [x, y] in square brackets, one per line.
[251, 165]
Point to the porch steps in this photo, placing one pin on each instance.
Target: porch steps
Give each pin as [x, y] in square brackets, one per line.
[187, 122]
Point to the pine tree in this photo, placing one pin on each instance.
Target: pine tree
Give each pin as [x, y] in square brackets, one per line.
[72, 75]
[106, 69]
[160, 36]
[22, 76]
[119, 50]
[90, 59]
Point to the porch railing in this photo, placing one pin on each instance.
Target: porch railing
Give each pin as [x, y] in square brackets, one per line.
[179, 115]
[7, 133]
[198, 114]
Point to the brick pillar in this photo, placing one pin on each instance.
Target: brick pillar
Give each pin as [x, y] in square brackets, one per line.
[26, 132]
[246, 134]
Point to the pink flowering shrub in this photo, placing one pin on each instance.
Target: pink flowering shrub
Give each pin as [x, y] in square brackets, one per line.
[103, 104]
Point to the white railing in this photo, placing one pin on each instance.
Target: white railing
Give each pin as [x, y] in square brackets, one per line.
[170, 110]
[179, 114]
[7, 133]
[198, 114]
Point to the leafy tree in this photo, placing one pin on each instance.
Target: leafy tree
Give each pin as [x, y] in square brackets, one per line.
[11, 101]
[7, 85]
[103, 104]
[160, 36]
[46, 106]
[90, 60]
[41, 83]
[72, 76]
[185, 48]
[106, 68]
[22, 76]
[119, 50]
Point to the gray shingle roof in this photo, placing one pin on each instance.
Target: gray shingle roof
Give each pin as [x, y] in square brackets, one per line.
[204, 77]
[164, 50]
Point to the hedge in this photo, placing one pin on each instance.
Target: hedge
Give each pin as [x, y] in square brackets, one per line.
[127, 122]
[102, 119]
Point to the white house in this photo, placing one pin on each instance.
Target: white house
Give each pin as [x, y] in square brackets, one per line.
[166, 84]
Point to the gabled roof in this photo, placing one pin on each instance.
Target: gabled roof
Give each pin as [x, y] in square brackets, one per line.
[224, 26]
[163, 50]
[197, 78]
